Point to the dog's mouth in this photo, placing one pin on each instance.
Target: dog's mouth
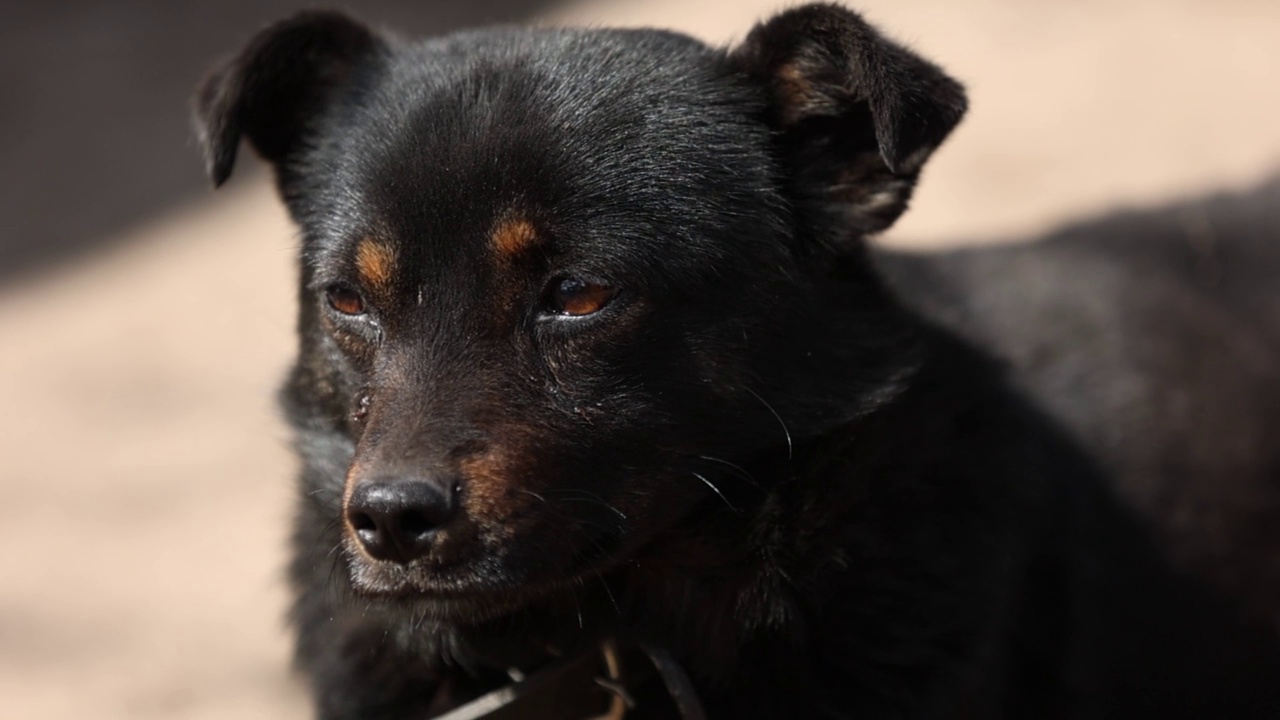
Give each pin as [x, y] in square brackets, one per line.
[441, 599]
[489, 560]
[461, 596]
[443, 594]
[472, 580]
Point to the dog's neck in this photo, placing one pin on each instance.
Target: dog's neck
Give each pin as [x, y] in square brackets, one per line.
[731, 577]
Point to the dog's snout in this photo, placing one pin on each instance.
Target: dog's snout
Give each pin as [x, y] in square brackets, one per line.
[395, 519]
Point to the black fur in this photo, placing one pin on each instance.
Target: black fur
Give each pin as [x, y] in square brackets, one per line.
[765, 453]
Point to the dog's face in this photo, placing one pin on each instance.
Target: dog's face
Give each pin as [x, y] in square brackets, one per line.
[558, 285]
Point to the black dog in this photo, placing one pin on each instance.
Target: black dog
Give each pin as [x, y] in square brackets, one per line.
[593, 355]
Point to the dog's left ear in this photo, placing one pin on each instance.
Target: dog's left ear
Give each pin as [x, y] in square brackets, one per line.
[857, 115]
[273, 88]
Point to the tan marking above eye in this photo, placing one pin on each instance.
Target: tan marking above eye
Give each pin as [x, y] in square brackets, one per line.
[512, 235]
[375, 262]
[572, 296]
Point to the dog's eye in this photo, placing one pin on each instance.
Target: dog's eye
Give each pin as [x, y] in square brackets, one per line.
[575, 297]
[344, 300]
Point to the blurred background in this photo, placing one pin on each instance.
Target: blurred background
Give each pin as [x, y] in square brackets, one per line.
[145, 321]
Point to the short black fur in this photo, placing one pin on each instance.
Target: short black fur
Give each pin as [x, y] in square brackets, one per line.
[763, 452]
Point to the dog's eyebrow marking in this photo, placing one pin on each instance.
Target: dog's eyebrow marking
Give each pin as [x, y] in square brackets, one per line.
[375, 262]
[511, 235]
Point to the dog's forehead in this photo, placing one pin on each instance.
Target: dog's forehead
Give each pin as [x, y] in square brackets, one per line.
[614, 136]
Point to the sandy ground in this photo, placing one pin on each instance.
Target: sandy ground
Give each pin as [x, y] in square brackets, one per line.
[145, 474]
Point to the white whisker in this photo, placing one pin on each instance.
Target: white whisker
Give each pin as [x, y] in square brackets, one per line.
[741, 472]
[716, 490]
[769, 407]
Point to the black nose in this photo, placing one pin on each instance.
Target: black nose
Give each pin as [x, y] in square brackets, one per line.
[396, 519]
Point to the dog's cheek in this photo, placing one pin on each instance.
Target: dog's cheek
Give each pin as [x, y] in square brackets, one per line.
[341, 364]
[324, 384]
[352, 394]
[593, 381]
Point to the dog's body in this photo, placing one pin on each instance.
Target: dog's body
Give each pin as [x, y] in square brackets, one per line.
[1152, 336]
[592, 347]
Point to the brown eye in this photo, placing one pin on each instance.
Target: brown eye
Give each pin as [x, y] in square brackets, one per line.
[572, 296]
[345, 300]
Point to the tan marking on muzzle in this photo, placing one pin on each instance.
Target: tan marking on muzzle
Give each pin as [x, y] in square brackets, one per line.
[488, 494]
[349, 539]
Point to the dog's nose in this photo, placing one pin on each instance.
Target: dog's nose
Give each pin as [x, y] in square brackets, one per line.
[396, 519]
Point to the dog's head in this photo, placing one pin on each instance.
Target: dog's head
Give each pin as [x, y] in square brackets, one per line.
[559, 286]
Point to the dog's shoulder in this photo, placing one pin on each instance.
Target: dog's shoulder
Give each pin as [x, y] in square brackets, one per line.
[1153, 336]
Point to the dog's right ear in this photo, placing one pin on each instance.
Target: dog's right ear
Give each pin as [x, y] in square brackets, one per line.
[856, 114]
[269, 92]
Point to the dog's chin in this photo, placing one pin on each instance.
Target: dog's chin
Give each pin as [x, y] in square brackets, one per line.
[448, 608]
[457, 596]
[468, 592]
